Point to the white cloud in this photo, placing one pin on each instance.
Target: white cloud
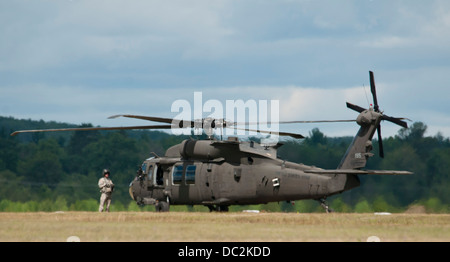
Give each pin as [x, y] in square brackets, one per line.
[299, 103]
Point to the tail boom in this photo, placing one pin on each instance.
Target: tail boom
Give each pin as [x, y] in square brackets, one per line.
[359, 150]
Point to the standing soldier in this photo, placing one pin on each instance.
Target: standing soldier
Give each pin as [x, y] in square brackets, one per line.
[106, 188]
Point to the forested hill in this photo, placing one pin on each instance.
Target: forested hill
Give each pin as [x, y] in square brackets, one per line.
[63, 168]
[10, 124]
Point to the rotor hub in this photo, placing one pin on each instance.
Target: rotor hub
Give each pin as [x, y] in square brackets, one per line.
[367, 117]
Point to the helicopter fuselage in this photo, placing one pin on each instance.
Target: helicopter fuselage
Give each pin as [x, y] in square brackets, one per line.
[222, 173]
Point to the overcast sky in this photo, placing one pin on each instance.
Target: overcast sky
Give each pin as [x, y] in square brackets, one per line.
[83, 61]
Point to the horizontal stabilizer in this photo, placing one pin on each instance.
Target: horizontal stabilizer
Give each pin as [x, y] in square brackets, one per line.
[357, 172]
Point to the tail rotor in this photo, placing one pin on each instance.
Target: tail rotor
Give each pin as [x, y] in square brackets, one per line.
[376, 108]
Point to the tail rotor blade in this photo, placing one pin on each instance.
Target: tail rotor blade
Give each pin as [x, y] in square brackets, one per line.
[379, 115]
[395, 120]
[374, 91]
[355, 107]
[380, 141]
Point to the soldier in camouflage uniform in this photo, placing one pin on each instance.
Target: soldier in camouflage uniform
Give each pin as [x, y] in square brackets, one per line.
[106, 188]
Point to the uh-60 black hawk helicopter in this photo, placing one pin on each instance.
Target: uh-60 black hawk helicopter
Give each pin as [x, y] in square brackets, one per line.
[220, 173]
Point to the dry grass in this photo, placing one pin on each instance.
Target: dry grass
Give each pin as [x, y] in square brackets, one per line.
[217, 227]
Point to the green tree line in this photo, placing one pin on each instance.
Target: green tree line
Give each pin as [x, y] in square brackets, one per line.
[59, 171]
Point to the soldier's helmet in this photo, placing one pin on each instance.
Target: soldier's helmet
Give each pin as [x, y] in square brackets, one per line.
[105, 171]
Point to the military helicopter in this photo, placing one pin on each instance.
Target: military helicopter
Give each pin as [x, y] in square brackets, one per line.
[219, 173]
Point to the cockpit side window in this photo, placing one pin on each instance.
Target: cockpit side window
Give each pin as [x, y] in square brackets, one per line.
[144, 168]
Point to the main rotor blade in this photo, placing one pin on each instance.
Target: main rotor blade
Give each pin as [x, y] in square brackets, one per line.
[395, 120]
[374, 91]
[289, 122]
[355, 107]
[149, 118]
[316, 121]
[176, 122]
[92, 128]
[298, 136]
[190, 123]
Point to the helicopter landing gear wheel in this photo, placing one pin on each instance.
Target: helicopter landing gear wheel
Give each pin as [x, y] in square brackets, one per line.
[162, 206]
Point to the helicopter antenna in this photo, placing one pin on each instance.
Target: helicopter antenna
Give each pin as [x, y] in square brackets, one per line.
[365, 92]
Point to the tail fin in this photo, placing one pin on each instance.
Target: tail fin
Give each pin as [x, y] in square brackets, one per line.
[369, 120]
[359, 150]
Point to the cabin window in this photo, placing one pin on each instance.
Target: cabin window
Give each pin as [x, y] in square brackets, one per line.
[190, 174]
[177, 174]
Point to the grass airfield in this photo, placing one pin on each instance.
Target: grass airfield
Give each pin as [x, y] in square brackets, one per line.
[222, 227]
